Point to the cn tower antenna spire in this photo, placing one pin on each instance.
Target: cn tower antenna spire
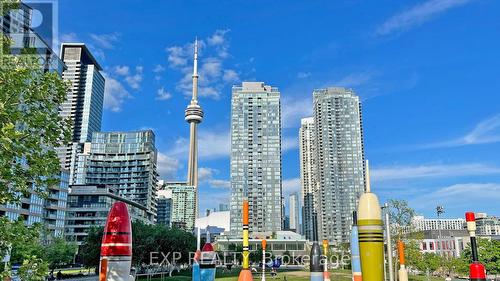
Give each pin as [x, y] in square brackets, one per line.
[195, 69]
[194, 116]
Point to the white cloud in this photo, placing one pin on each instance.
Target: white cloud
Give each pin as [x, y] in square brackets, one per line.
[302, 75]
[486, 131]
[158, 68]
[122, 70]
[114, 94]
[220, 183]
[289, 143]
[105, 41]
[213, 74]
[69, 38]
[351, 80]
[211, 145]
[463, 196]
[417, 15]
[291, 185]
[294, 109]
[167, 166]
[207, 175]
[218, 38]
[211, 68]
[214, 144]
[163, 94]
[230, 76]
[177, 56]
[432, 171]
[134, 81]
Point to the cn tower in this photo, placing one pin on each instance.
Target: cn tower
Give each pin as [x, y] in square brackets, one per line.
[194, 116]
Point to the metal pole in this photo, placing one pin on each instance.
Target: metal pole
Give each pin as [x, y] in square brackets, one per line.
[389, 242]
[439, 211]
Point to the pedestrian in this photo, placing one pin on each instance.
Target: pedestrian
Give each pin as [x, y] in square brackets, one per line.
[59, 275]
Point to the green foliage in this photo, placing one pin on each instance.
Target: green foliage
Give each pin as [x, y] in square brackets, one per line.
[33, 269]
[413, 254]
[59, 252]
[146, 239]
[255, 256]
[489, 254]
[443, 265]
[452, 266]
[30, 127]
[401, 215]
[159, 238]
[91, 247]
[23, 245]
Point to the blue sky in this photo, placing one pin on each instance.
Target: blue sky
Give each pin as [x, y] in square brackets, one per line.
[427, 72]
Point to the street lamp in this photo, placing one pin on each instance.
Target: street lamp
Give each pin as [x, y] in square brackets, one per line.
[440, 211]
[389, 242]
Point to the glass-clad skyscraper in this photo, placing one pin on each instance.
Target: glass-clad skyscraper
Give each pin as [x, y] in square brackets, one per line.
[339, 160]
[256, 157]
[125, 161]
[294, 212]
[183, 205]
[84, 101]
[307, 175]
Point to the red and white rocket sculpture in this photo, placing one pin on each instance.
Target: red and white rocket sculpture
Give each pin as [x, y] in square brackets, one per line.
[116, 247]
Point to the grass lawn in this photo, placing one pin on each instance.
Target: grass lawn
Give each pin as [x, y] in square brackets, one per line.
[74, 270]
[290, 275]
[337, 275]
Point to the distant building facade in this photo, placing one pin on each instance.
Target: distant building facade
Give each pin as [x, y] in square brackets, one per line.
[84, 101]
[284, 242]
[216, 223]
[487, 225]
[256, 157]
[223, 207]
[339, 161]
[89, 205]
[308, 183]
[125, 161]
[164, 214]
[17, 25]
[183, 205]
[420, 223]
[49, 211]
[294, 207]
[445, 242]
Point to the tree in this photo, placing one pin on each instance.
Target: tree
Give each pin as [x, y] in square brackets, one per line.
[430, 261]
[413, 255]
[147, 240]
[59, 252]
[30, 128]
[453, 265]
[33, 269]
[401, 215]
[489, 254]
[22, 243]
[90, 250]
